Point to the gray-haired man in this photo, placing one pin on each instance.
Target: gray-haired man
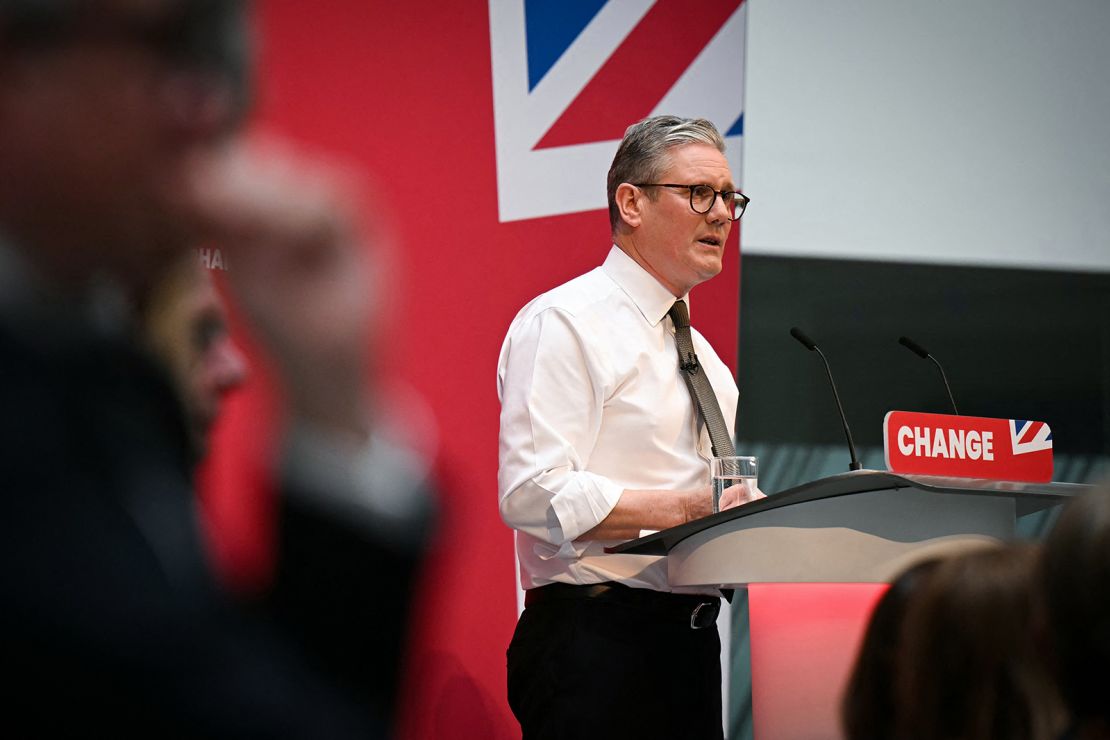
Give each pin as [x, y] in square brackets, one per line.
[600, 440]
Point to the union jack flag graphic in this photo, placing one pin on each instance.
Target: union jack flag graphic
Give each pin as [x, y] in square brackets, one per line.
[1029, 436]
[570, 77]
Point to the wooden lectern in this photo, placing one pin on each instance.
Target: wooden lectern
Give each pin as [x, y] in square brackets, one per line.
[839, 536]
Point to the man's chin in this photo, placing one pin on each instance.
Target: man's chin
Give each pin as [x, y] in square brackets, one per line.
[709, 269]
[200, 433]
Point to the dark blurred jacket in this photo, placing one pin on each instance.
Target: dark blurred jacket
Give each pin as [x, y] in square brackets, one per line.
[110, 620]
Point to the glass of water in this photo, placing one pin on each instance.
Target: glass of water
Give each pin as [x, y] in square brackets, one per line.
[729, 471]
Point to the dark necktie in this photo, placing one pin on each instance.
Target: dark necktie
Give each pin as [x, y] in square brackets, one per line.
[694, 375]
[701, 390]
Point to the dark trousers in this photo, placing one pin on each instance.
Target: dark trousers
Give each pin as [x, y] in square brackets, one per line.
[628, 666]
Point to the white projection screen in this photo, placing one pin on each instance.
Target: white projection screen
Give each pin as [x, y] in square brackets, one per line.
[972, 132]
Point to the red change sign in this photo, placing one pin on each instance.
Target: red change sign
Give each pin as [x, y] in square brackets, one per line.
[968, 446]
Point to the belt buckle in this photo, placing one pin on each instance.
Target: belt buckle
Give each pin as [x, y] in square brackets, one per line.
[694, 625]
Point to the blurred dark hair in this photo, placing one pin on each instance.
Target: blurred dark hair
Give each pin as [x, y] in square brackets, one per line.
[203, 34]
[867, 710]
[1075, 580]
[969, 664]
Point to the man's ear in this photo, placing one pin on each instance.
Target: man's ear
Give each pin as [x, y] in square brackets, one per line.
[630, 201]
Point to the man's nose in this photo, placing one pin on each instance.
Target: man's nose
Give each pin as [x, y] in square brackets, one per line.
[719, 211]
[230, 367]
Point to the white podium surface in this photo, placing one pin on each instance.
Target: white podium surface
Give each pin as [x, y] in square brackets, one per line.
[864, 526]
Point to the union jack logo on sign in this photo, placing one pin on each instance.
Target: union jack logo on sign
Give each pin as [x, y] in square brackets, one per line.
[1029, 436]
[570, 77]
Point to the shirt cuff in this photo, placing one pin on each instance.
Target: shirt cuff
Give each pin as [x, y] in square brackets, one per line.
[579, 514]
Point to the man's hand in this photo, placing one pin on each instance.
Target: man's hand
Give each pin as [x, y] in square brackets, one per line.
[741, 493]
[699, 502]
[639, 510]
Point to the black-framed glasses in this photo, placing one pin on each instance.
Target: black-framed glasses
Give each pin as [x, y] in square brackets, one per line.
[702, 197]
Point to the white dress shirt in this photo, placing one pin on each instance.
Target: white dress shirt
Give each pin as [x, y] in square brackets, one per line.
[593, 403]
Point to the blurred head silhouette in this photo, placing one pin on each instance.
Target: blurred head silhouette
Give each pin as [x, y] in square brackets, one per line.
[185, 323]
[1075, 581]
[868, 709]
[968, 665]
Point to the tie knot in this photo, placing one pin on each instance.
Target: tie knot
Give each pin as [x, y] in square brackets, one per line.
[679, 315]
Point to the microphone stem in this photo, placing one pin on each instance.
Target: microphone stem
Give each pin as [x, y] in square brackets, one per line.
[855, 464]
[946, 386]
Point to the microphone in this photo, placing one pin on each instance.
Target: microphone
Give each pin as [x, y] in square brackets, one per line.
[811, 345]
[923, 353]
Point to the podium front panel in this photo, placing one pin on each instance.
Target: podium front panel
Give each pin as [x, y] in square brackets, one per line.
[859, 538]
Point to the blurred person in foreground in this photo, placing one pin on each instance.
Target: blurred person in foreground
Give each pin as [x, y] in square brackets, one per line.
[601, 439]
[868, 707]
[968, 664]
[117, 153]
[1074, 578]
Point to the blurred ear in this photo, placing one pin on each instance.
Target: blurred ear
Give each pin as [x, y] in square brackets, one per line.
[630, 201]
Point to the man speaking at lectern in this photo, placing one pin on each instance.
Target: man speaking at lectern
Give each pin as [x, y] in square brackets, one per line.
[601, 439]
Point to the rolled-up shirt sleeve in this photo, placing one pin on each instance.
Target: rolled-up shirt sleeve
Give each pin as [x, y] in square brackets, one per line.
[552, 393]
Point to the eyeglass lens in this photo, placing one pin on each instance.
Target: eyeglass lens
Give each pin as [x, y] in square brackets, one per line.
[702, 198]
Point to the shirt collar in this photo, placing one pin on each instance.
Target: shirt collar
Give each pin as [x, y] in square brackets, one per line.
[649, 295]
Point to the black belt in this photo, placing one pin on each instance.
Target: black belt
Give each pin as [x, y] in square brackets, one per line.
[701, 611]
